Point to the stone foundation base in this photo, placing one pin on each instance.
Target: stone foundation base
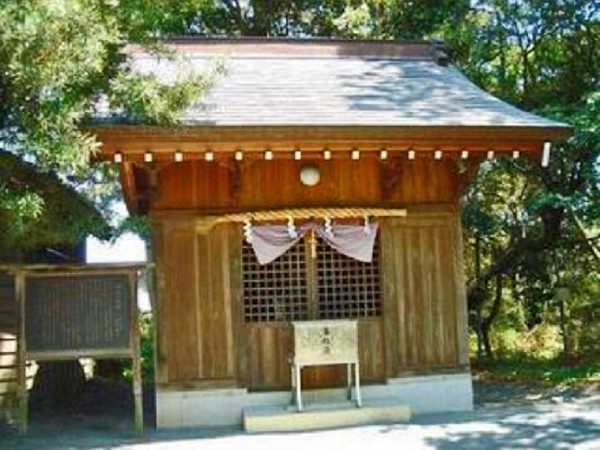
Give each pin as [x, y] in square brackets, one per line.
[224, 407]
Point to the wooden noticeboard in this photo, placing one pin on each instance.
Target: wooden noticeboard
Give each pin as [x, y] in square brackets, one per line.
[77, 311]
[84, 315]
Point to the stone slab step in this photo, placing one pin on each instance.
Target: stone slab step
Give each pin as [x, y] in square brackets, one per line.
[321, 416]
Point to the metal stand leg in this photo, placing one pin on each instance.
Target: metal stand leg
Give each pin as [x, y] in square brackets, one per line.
[292, 384]
[298, 387]
[349, 381]
[357, 381]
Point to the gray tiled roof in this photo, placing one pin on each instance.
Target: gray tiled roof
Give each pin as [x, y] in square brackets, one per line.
[288, 90]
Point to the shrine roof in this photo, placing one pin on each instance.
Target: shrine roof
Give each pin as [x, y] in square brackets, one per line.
[329, 83]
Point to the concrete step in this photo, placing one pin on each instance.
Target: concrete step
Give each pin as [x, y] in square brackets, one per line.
[324, 415]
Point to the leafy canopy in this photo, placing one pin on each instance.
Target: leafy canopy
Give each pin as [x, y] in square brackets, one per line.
[58, 58]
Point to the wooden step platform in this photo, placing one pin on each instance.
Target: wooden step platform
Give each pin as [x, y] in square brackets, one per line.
[324, 415]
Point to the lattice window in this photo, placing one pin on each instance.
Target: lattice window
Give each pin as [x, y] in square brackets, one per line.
[347, 288]
[277, 291]
[294, 287]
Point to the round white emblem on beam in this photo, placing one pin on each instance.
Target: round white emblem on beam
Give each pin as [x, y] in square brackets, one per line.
[310, 175]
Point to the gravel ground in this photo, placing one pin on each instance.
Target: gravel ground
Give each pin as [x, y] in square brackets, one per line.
[489, 393]
[507, 416]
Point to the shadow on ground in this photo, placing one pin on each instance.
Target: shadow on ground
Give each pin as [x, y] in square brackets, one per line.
[558, 426]
[501, 421]
[488, 393]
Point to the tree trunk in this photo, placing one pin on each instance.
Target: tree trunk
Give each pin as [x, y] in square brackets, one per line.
[485, 331]
[564, 330]
[489, 320]
[479, 306]
[505, 260]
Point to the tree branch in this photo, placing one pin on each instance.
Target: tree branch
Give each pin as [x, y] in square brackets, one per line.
[586, 239]
[235, 9]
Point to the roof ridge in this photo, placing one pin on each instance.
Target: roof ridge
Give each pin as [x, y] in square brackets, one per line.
[312, 47]
[302, 40]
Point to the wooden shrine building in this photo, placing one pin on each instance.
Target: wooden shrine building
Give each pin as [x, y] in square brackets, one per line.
[300, 141]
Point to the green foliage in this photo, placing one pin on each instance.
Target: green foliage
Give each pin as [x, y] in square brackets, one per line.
[388, 19]
[534, 226]
[146, 325]
[34, 203]
[410, 20]
[532, 53]
[584, 312]
[355, 21]
[233, 18]
[139, 225]
[52, 57]
[543, 341]
[147, 100]
[57, 60]
[147, 346]
[524, 368]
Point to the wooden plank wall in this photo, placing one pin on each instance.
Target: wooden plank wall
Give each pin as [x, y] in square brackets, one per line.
[196, 294]
[210, 186]
[9, 320]
[424, 299]
[423, 327]
[269, 347]
[203, 341]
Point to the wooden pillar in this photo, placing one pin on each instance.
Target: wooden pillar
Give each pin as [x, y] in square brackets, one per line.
[158, 292]
[136, 357]
[462, 315]
[389, 273]
[23, 397]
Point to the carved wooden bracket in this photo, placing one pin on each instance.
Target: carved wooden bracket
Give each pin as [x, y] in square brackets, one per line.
[140, 185]
[128, 183]
[152, 186]
[235, 182]
[390, 174]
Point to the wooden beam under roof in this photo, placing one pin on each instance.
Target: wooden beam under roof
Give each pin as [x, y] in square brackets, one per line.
[135, 141]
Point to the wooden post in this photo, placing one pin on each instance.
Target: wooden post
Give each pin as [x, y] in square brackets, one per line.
[311, 276]
[23, 396]
[136, 360]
